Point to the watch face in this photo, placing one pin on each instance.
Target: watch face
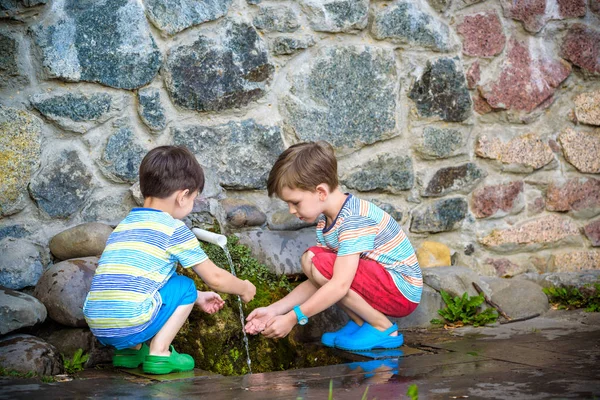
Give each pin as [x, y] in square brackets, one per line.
[303, 321]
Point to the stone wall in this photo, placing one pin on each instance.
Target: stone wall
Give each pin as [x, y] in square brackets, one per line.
[474, 123]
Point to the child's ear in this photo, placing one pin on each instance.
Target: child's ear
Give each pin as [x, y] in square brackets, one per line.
[322, 191]
[181, 196]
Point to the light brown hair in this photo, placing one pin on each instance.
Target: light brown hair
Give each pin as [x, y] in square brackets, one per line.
[167, 169]
[304, 166]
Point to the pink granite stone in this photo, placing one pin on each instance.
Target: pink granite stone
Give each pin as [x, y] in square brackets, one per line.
[473, 75]
[536, 13]
[480, 105]
[581, 260]
[483, 34]
[587, 107]
[592, 231]
[581, 149]
[542, 232]
[497, 200]
[525, 82]
[576, 194]
[581, 46]
[505, 268]
[527, 150]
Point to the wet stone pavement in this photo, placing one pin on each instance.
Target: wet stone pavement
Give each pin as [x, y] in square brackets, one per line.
[556, 356]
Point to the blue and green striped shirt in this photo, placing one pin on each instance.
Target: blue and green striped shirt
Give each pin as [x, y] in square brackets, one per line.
[140, 256]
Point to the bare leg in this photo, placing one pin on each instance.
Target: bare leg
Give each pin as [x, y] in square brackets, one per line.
[357, 307]
[307, 268]
[159, 346]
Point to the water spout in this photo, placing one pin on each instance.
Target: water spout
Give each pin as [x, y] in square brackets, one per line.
[210, 237]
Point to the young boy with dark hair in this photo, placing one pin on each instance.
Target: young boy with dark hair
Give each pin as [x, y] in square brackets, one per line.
[363, 261]
[135, 294]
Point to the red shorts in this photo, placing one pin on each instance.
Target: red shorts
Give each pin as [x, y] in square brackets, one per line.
[372, 282]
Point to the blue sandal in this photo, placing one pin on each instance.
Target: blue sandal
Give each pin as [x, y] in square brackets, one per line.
[328, 339]
[369, 338]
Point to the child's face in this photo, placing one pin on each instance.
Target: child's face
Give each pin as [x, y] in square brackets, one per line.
[305, 205]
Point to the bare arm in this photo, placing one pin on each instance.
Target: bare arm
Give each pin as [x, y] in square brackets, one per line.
[333, 291]
[222, 281]
[330, 293]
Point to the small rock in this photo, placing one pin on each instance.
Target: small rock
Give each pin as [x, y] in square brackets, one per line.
[18, 310]
[64, 287]
[80, 241]
[240, 213]
[433, 254]
[26, 353]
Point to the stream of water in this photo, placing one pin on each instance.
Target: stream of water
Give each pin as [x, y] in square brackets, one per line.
[231, 267]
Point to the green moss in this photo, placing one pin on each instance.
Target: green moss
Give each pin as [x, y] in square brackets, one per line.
[216, 341]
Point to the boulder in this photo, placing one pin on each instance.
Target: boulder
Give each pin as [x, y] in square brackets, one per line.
[18, 310]
[64, 287]
[26, 353]
[83, 240]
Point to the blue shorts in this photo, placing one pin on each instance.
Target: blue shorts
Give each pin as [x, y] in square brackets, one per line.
[178, 291]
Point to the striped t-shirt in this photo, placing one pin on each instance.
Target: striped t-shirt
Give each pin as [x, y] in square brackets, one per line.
[140, 256]
[362, 227]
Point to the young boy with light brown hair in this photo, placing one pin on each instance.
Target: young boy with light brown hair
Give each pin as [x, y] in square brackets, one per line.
[135, 295]
[363, 261]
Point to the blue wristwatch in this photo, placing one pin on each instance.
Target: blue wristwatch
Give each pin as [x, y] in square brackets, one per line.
[302, 319]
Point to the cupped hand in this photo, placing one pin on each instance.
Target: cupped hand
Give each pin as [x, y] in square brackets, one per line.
[257, 320]
[209, 302]
[279, 326]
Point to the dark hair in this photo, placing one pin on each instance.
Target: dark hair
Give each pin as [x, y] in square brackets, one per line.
[304, 166]
[167, 169]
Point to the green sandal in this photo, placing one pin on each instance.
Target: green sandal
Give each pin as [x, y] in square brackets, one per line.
[166, 364]
[130, 358]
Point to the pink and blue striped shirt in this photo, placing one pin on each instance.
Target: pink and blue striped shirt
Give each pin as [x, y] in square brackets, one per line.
[362, 227]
